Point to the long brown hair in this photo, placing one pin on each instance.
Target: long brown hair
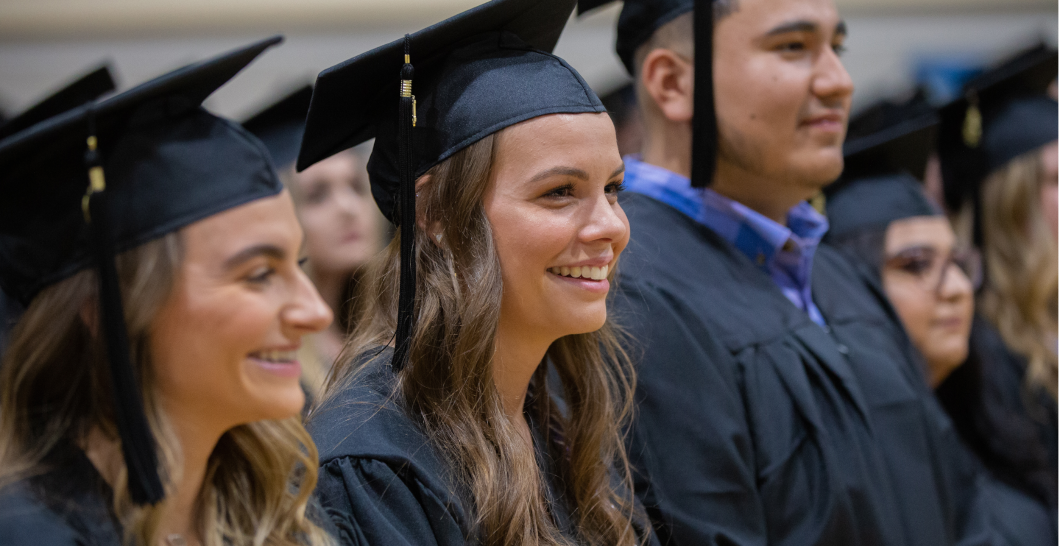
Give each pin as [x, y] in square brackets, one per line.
[259, 476]
[448, 385]
[1020, 293]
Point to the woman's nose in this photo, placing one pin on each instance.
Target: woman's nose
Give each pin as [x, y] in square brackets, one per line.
[307, 313]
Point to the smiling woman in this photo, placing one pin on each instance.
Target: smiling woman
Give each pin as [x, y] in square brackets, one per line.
[169, 303]
[509, 230]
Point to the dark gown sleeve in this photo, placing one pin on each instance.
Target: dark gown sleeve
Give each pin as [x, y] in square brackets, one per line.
[372, 503]
[24, 521]
[689, 406]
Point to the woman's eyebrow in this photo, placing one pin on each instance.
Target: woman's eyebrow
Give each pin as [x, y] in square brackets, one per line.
[560, 171]
[271, 251]
[621, 169]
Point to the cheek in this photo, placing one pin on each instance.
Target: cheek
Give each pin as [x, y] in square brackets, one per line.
[912, 305]
[528, 243]
[759, 97]
[199, 351]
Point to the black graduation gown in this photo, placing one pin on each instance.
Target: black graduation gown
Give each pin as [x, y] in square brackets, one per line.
[69, 505]
[1011, 429]
[1007, 371]
[757, 426]
[383, 483]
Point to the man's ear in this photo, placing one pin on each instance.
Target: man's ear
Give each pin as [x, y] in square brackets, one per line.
[668, 78]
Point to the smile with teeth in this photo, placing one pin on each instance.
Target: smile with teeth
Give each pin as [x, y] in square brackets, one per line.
[584, 272]
[275, 356]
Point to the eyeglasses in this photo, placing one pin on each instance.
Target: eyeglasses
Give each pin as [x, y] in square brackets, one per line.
[929, 266]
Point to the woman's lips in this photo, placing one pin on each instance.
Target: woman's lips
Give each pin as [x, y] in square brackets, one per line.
[952, 323]
[599, 287]
[283, 363]
[591, 278]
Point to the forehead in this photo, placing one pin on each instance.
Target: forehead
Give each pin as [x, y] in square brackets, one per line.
[270, 220]
[557, 138]
[760, 16]
[933, 231]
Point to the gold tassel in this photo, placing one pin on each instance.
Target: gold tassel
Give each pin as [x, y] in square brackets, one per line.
[973, 123]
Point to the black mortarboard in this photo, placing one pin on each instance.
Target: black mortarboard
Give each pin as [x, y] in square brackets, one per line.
[890, 137]
[639, 20]
[280, 126]
[476, 73]
[167, 164]
[874, 201]
[887, 148]
[1002, 114]
[87, 88]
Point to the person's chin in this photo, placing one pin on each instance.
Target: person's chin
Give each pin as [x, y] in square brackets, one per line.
[589, 318]
[824, 167]
[277, 403]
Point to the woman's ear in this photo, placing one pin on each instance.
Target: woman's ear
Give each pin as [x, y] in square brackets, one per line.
[668, 79]
[435, 230]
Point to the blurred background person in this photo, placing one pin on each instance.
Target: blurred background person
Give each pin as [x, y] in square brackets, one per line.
[998, 156]
[343, 226]
[878, 212]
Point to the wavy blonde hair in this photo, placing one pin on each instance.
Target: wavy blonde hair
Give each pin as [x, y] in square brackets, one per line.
[1019, 253]
[448, 386]
[259, 476]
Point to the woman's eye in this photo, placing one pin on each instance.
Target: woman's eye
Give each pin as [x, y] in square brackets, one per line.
[562, 191]
[615, 187]
[317, 195]
[916, 266]
[839, 49]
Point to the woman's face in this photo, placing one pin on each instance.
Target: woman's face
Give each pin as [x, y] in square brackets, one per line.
[223, 345]
[553, 207]
[1048, 186]
[343, 226]
[932, 296]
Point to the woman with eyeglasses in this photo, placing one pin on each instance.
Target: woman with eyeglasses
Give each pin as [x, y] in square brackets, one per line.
[887, 223]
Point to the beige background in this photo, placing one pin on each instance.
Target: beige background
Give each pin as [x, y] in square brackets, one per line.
[44, 43]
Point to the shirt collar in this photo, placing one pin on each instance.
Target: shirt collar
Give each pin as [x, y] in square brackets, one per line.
[754, 234]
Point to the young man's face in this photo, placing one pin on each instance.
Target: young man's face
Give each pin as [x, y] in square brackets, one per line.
[781, 93]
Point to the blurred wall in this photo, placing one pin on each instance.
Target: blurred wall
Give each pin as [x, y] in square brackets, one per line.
[44, 43]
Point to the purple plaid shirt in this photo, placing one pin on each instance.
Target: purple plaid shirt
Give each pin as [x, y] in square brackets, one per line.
[785, 253]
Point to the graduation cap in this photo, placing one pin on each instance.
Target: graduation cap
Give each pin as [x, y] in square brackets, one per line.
[887, 148]
[874, 201]
[1003, 113]
[475, 73]
[890, 137]
[87, 88]
[636, 24]
[167, 164]
[280, 125]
